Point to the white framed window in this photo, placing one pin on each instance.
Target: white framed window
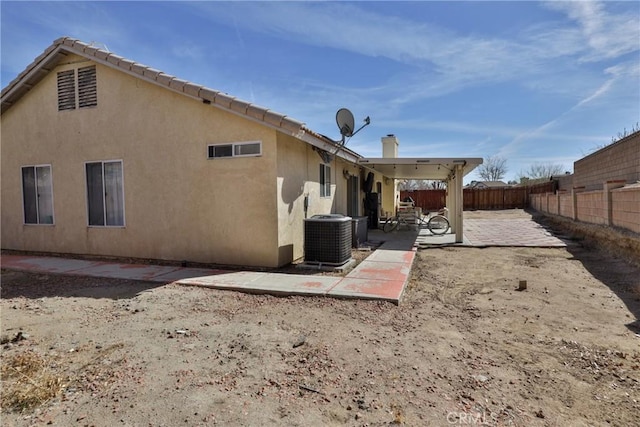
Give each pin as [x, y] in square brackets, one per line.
[37, 194]
[325, 180]
[77, 88]
[235, 149]
[105, 193]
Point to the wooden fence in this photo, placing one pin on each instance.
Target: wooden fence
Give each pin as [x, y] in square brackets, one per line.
[480, 198]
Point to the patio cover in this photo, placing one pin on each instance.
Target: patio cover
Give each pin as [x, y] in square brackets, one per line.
[451, 170]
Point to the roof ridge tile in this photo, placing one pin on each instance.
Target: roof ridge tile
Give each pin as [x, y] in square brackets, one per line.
[151, 73]
[138, 68]
[114, 59]
[223, 99]
[125, 64]
[164, 78]
[192, 89]
[177, 84]
[208, 94]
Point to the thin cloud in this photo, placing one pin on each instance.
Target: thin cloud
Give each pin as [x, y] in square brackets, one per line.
[189, 50]
[441, 61]
[545, 129]
[607, 35]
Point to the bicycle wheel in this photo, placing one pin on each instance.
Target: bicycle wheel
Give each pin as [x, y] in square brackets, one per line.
[438, 224]
[390, 224]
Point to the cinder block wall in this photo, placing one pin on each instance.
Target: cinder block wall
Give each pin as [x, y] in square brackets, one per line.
[566, 205]
[625, 207]
[553, 204]
[591, 207]
[618, 161]
[565, 182]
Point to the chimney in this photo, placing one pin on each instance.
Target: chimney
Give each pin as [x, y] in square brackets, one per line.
[390, 146]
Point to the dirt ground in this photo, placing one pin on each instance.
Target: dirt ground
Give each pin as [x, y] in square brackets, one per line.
[464, 347]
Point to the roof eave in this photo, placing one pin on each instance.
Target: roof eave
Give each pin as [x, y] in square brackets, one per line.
[31, 75]
[324, 143]
[38, 69]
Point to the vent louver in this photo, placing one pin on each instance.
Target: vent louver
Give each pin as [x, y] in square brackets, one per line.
[87, 90]
[66, 90]
[87, 87]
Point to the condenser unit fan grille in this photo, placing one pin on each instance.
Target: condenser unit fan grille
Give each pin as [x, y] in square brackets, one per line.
[327, 239]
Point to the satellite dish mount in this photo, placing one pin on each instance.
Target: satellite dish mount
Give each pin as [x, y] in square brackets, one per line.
[346, 124]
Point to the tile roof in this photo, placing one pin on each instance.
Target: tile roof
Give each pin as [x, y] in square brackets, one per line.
[49, 59]
[487, 184]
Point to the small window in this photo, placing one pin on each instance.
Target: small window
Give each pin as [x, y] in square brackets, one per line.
[77, 90]
[105, 194]
[238, 149]
[249, 149]
[325, 180]
[37, 195]
[220, 151]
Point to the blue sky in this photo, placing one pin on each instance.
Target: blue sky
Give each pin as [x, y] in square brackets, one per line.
[528, 81]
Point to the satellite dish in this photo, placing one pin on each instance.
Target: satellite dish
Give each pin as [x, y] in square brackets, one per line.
[345, 121]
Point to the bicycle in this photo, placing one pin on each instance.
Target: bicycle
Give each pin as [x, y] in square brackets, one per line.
[436, 223]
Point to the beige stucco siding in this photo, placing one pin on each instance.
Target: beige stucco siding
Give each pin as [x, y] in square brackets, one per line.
[178, 204]
[299, 177]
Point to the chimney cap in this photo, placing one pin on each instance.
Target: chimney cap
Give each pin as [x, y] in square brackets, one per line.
[390, 134]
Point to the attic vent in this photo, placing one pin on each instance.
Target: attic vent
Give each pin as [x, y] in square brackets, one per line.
[87, 87]
[66, 90]
[85, 91]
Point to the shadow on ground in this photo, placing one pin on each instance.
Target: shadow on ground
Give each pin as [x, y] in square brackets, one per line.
[611, 256]
[17, 284]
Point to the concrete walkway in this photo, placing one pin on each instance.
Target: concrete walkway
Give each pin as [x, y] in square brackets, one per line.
[381, 276]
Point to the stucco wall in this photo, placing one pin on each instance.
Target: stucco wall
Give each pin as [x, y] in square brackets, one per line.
[178, 204]
[299, 177]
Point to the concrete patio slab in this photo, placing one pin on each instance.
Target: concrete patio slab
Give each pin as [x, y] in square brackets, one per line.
[392, 271]
[187, 273]
[509, 232]
[128, 271]
[383, 275]
[46, 264]
[386, 290]
[385, 255]
[272, 283]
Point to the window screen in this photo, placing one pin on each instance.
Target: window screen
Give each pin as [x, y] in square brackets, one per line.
[37, 195]
[325, 180]
[247, 149]
[220, 151]
[105, 193]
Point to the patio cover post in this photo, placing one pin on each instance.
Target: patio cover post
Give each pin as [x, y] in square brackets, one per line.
[451, 202]
[458, 203]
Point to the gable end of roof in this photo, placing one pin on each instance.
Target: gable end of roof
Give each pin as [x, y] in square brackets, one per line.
[62, 46]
